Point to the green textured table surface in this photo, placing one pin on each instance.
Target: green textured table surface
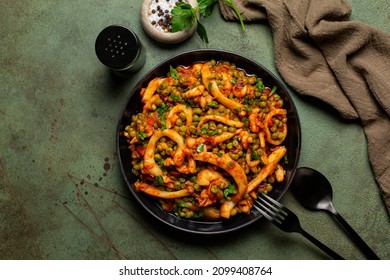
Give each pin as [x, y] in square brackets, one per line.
[61, 191]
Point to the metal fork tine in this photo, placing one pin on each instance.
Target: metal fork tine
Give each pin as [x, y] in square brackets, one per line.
[278, 210]
[268, 217]
[279, 206]
[271, 200]
[274, 214]
[268, 213]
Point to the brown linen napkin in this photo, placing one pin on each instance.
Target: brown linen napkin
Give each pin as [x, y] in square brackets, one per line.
[321, 53]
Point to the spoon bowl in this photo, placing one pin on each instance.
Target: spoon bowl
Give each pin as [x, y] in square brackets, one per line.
[314, 192]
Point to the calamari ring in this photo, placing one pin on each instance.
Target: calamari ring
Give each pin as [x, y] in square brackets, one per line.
[171, 119]
[233, 169]
[156, 192]
[268, 168]
[151, 167]
[214, 90]
[219, 119]
[195, 92]
[228, 103]
[151, 89]
[268, 133]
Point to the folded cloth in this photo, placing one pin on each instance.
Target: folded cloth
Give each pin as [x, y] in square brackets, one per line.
[321, 53]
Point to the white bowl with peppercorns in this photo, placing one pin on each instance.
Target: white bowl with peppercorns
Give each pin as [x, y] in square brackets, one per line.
[156, 17]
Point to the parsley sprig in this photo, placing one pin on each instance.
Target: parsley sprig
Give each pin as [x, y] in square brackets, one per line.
[184, 16]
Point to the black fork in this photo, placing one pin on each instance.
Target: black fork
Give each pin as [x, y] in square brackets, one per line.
[287, 221]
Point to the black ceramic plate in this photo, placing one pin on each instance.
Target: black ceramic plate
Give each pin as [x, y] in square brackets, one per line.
[134, 105]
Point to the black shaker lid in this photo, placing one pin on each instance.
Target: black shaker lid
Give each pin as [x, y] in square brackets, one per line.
[117, 46]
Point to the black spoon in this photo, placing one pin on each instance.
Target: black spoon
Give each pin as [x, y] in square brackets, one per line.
[313, 191]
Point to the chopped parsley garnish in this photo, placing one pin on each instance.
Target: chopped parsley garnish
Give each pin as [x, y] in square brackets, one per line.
[273, 90]
[229, 190]
[162, 109]
[255, 156]
[200, 148]
[175, 97]
[159, 181]
[141, 135]
[173, 72]
[260, 86]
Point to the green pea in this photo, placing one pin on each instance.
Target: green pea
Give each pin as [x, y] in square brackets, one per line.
[133, 133]
[280, 135]
[163, 85]
[196, 187]
[193, 129]
[221, 108]
[197, 111]
[136, 167]
[179, 122]
[189, 214]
